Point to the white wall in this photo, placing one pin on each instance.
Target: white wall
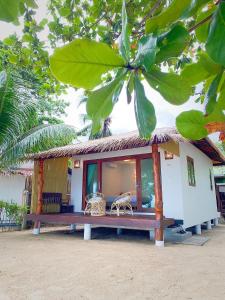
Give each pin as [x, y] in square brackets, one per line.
[199, 201]
[172, 187]
[11, 188]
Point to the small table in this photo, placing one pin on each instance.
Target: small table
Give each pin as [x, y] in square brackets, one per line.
[66, 208]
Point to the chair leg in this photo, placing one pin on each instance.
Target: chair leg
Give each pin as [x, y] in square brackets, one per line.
[131, 209]
[118, 211]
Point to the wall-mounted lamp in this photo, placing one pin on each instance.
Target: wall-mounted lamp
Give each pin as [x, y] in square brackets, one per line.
[76, 164]
[168, 155]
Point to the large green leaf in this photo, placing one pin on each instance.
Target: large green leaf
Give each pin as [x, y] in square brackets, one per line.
[130, 87]
[203, 30]
[172, 87]
[31, 3]
[9, 10]
[194, 7]
[221, 98]
[144, 110]
[216, 116]
[100, 102]
[147, 47]
[172, 43]
[218, 113]
[211, 96]
[167, 16]
[197, 72]
[82, 62]
[124, 41]
[215, 44]
[191, 124]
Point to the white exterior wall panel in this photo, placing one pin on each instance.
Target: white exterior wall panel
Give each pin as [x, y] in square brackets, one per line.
[11, 188]
[199, 201]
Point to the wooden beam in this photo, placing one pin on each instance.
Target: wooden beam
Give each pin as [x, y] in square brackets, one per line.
[37, 223]
[143, 222]
[40, 186]
[158, 193]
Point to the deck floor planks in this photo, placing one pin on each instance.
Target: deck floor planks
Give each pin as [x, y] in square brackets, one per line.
[144, 222]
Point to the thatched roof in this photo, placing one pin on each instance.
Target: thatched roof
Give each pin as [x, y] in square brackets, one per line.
[128, 141]
[11, 172]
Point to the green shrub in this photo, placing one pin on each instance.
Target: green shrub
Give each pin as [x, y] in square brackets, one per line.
[13, 211]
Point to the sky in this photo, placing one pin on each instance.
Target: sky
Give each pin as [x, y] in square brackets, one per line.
[123, 116]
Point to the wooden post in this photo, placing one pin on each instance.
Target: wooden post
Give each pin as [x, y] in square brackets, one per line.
[40, 186]
[159, 236]
[40, 197]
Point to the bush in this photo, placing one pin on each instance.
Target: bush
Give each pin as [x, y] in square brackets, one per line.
[13, 211]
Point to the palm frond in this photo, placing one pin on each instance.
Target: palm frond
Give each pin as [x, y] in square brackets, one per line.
[17, 109]
[38, 139]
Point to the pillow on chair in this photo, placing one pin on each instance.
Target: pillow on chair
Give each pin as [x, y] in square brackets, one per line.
[124, 199]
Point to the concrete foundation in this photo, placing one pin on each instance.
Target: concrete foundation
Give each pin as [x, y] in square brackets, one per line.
[209, 225]
[216, 221]
[198, 229]
[87, 232]
[72, 227]
[119, 231]
[159, 243]
[36, 231]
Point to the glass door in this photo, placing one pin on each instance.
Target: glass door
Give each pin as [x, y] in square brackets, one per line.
[146, 196]
[92, 178]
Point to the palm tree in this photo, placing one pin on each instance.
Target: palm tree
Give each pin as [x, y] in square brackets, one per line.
[105, 130]
[18, 116]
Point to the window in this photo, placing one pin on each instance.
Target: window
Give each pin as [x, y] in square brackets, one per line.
[191, 171]
[210, 179]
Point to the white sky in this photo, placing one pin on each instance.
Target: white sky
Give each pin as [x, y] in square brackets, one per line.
[123, 118]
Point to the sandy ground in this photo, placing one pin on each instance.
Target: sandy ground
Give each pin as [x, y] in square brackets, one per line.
[58, 265]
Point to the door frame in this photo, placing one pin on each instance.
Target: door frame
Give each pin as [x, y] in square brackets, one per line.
[136, 157]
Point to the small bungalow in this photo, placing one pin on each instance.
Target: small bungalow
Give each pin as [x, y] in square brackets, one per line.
[219, 175]
[168, 180]
[14, 182]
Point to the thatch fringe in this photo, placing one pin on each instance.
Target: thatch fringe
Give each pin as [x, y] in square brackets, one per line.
[117, 142]
[125, 141]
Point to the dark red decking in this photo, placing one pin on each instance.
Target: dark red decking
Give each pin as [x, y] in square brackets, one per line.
[144, 222]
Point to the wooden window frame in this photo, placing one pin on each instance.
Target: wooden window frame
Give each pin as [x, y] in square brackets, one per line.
[191, 178]
[136, 157]
[211, 179]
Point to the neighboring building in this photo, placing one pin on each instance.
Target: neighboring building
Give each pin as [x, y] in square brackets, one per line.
[14, 181]
[219, 175]
[167, 168]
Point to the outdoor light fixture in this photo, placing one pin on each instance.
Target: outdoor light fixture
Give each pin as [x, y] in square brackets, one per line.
[168, 155]
[76, 164]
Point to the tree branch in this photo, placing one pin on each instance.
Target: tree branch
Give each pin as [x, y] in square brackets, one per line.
[200, 23]
[150, 13]
[204, 20]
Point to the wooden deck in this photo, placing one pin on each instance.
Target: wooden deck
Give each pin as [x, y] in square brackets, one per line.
[143, 222]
